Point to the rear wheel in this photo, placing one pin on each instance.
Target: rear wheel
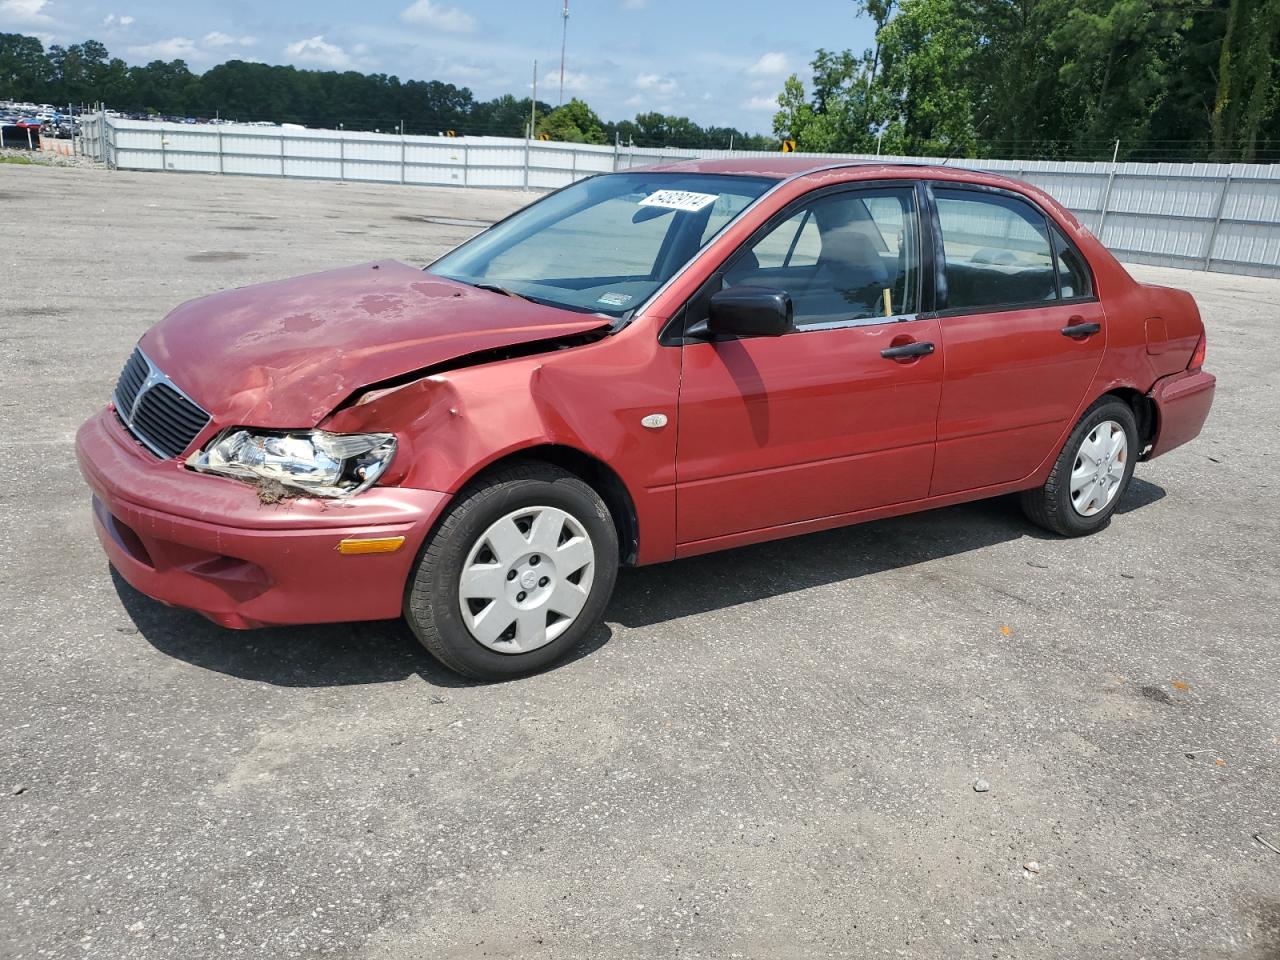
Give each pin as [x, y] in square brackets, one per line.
[518, 572]
[1091, 474]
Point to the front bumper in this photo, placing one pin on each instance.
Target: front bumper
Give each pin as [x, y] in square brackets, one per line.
[1182, 406]
[209, 544]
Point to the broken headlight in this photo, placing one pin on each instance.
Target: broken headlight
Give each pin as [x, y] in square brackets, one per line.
[315, 462]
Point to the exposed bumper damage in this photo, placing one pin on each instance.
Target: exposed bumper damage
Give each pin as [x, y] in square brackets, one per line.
[208, 543]
[1182, 404]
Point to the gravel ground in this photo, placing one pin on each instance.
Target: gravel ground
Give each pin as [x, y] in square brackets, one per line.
[12, 155]
[770, 752]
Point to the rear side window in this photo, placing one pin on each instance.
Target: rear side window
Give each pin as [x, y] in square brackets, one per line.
[1073, 276]
[996, 251]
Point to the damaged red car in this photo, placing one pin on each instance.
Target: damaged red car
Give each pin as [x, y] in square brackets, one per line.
[643, 366]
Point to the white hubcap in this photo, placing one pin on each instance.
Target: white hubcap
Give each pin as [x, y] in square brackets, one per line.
[526, 579]
[1099, 468]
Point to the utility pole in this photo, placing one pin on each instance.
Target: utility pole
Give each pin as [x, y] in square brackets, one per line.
[533, 104]
[564, 36]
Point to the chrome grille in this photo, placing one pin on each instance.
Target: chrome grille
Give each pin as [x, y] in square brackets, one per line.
[160, 415]
[132, 378]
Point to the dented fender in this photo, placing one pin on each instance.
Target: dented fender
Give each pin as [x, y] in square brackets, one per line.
[590, 398]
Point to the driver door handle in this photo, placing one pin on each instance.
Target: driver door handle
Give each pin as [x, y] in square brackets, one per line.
[1080, 329]
[919, 348]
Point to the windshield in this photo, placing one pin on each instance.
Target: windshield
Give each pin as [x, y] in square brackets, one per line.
[603, 245]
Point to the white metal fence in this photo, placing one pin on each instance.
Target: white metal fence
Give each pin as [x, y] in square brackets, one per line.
[1206, 216]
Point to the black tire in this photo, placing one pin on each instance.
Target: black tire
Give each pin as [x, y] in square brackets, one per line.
[1050, 506]
[431, 599]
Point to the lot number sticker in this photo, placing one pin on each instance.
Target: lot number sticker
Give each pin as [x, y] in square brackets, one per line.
[685, 200]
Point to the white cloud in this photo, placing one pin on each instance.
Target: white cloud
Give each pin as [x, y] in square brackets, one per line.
[318, 52]
[577, 82]
[462, 71]
[439, 17]
[219, 39]
[25, 11]
[658, 84]
[175, 48]
[771, 64]
[112, 20]
[549, 83]
[760, 103]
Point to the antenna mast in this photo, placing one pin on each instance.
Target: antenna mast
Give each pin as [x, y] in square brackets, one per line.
[564, 36]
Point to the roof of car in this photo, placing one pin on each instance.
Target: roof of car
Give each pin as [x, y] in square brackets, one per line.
[794, 165]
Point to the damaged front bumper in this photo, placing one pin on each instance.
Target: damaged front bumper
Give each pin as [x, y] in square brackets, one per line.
[209, 544]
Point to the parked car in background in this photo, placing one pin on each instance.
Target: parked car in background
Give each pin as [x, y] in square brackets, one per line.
[21, 132]
[641, 367]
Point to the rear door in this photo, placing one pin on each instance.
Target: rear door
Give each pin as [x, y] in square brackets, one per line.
[819, 422]
[1022, 330]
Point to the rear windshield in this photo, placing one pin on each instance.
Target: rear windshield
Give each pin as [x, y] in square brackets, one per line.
[603, 245]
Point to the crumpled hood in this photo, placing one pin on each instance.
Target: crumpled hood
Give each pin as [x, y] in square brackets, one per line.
[284, 354]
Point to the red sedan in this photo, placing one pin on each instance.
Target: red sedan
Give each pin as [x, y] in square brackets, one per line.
[643, 366]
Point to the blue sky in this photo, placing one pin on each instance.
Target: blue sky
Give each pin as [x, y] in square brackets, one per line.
[716, 61]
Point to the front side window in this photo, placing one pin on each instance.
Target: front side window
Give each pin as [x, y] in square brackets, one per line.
[844, 257]
[796, 243]
[996, 250]
[603, 245]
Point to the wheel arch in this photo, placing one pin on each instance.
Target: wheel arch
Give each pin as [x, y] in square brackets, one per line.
[1144, 411]
[592, 471]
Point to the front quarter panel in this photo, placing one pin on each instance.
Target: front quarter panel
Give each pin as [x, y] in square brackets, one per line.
[590, 398]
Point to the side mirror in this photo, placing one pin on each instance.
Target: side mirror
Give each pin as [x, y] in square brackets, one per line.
[747, 312]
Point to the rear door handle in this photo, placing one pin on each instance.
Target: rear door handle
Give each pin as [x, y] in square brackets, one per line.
[1081, 329]
[919, 348]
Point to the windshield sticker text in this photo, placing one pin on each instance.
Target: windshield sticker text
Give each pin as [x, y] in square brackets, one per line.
[685, 200]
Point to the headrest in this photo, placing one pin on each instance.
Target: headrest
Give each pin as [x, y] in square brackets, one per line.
[849, 246]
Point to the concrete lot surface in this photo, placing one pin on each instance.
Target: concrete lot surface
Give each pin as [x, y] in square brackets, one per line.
[764, 753]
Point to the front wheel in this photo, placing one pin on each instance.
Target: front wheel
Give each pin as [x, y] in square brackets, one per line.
[1091, 474]
[517, 573]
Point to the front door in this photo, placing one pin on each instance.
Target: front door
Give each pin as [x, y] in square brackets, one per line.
[1023, 334]
[819, 422]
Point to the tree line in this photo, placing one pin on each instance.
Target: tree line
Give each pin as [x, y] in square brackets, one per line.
[1168, 79]
[86, 73]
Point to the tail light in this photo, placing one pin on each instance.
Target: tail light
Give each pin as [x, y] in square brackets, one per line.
[1197, 355]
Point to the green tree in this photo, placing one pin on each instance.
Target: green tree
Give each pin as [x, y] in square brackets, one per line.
[1116, 62]
[78, 72]
[850, 107]
[161, 87]
[1247, 96]
[928, 80]
[25, 71]
[574, 122]
[1046, 78]
[504, 116]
